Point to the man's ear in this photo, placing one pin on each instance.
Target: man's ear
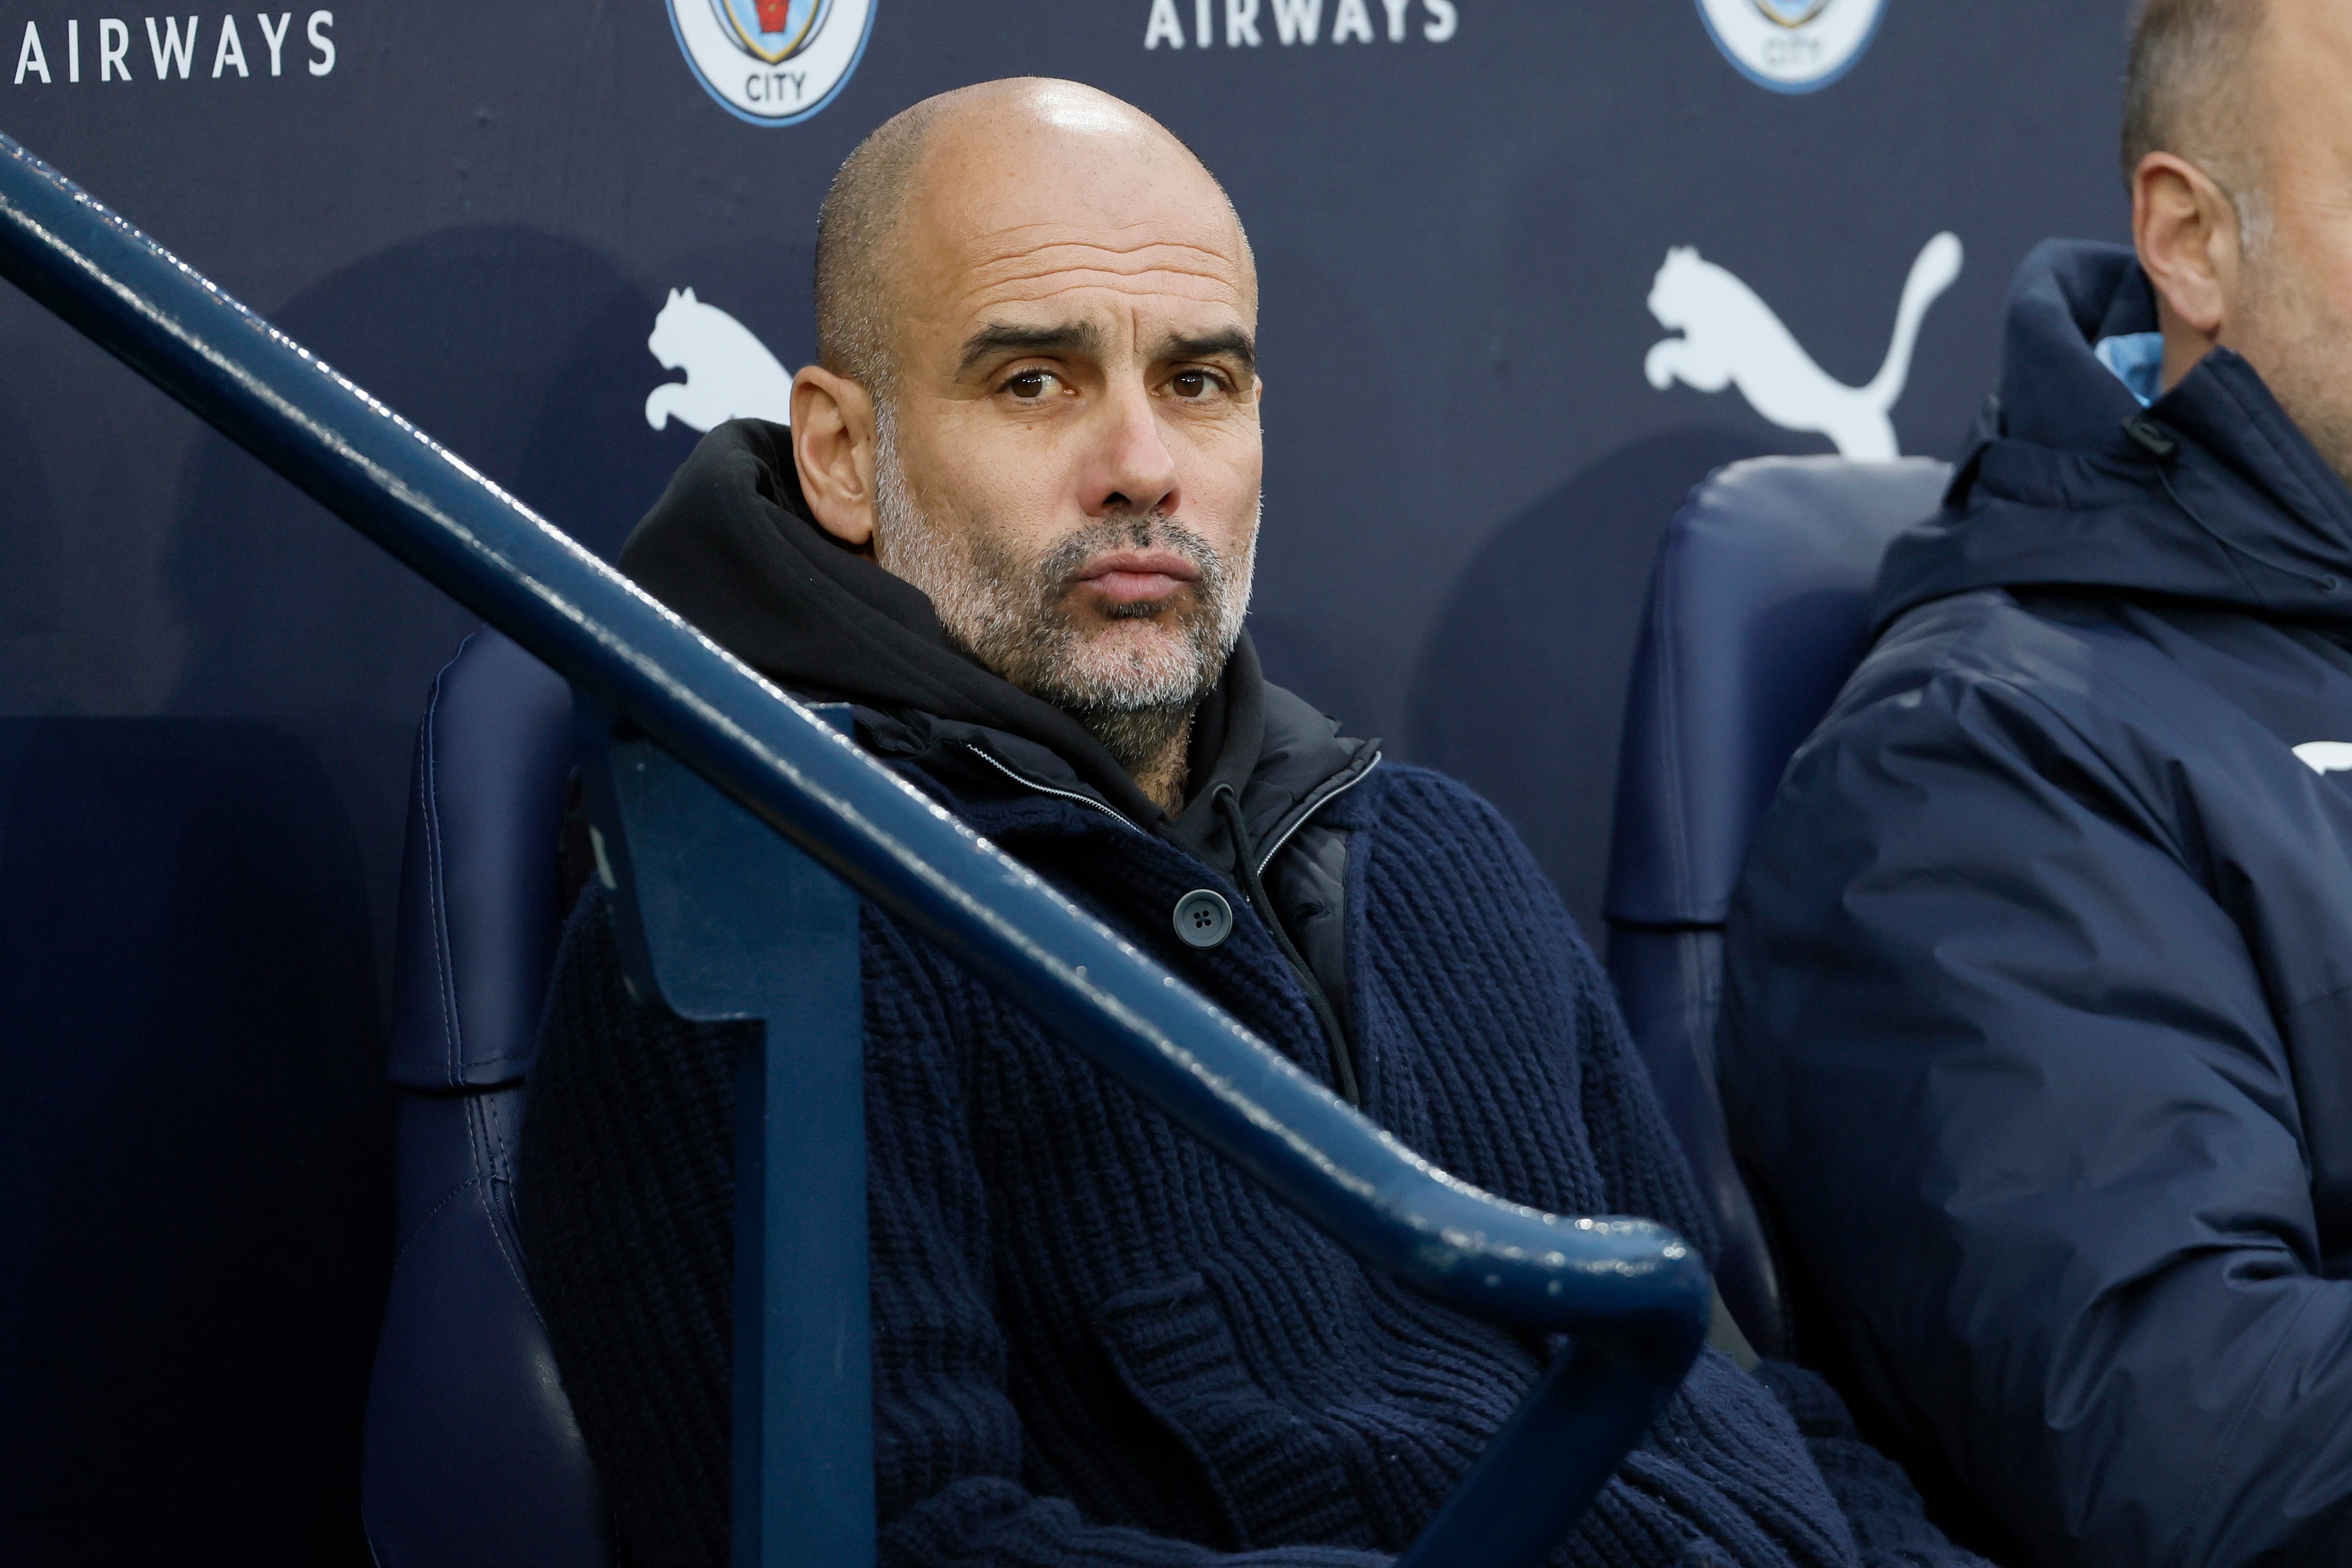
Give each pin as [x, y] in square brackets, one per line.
[2186, 228]
[833, 447]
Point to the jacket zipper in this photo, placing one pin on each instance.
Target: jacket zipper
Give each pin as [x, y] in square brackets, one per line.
[1318, 804]
[1029, 783]
[1304, 817]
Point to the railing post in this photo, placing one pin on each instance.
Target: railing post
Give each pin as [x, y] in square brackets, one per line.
[720, 919]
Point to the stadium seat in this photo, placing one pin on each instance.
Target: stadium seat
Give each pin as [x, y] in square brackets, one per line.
[1757, 615]
[472, 1455]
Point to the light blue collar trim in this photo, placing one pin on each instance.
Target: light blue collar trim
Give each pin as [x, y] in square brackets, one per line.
[2137, 361]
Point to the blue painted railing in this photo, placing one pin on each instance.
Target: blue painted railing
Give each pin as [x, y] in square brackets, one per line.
[1631, 1294]
[704, 900]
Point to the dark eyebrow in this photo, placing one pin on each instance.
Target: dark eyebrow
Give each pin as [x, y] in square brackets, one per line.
[1232, 343]
[1069, 338]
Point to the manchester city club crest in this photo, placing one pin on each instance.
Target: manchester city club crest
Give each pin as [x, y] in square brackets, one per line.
[1792, 45]
[772, 62]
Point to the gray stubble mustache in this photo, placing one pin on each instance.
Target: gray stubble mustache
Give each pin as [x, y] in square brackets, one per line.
[1057, 573]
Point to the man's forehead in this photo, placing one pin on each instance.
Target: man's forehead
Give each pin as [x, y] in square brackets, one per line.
[1037, 218]
[1105, 319]
[1044, 267]
[1041, 236]
[1130, 293]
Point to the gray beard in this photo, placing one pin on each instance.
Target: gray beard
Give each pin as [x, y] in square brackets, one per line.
[1014, 616]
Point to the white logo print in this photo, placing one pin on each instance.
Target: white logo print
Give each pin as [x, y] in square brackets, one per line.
[1249, 25]
[2325, 757]
[729, 374]
[109, 51]
[1792, 45]
[772, 62]
[1730, 337]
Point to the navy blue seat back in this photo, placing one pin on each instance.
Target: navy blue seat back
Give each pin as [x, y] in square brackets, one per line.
[472, 1455]
[1756, 617]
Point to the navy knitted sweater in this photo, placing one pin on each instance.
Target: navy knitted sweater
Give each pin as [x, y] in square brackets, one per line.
[1096, 1345]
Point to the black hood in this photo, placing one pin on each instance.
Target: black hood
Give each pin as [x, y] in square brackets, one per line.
[2219, 499]
[731, 547]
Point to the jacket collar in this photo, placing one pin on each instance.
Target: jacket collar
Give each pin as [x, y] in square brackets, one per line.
[1301, 762]
[2220, 499]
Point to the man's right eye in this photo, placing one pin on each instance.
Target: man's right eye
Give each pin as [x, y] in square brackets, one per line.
[1030, 383]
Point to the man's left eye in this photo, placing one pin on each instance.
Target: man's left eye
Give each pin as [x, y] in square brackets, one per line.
[1193, 383]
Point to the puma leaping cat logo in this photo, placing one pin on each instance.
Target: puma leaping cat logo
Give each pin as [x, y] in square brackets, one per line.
[729, 374]
[1730, 337]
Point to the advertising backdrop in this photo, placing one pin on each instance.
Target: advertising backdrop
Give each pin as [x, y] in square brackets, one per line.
[1530, 270]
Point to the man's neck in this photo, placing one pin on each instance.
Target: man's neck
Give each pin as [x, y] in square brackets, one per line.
[1154, 746]
[1164, 776]
[2185, 347]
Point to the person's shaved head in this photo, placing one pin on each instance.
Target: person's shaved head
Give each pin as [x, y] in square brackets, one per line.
[1036, 400]
[853, 235]
[859, 225]
[2189, 90]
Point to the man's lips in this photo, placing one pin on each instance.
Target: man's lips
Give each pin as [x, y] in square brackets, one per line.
[1137, 576]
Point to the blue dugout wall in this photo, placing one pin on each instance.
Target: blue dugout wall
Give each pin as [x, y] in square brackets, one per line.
[1476, 222]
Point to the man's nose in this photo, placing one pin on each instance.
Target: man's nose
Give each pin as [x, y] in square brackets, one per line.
[1134, 471]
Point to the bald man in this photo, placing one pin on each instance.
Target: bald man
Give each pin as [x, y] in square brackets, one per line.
[1012, 523]
[2037, 1011]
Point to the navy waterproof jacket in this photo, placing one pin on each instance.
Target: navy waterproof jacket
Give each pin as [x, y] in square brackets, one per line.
[2038, 1005]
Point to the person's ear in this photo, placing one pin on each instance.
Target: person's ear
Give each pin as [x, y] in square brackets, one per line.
[833, 447]
[2186, 229]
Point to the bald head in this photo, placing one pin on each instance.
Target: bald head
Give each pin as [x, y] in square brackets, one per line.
[1006, 142]
[1037, 400]
[2188, 89]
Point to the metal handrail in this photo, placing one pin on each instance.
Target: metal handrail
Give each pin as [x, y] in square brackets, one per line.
[1633, 1295]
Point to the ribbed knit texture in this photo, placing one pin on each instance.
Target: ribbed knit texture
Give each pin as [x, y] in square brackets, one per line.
[1095, 1345]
